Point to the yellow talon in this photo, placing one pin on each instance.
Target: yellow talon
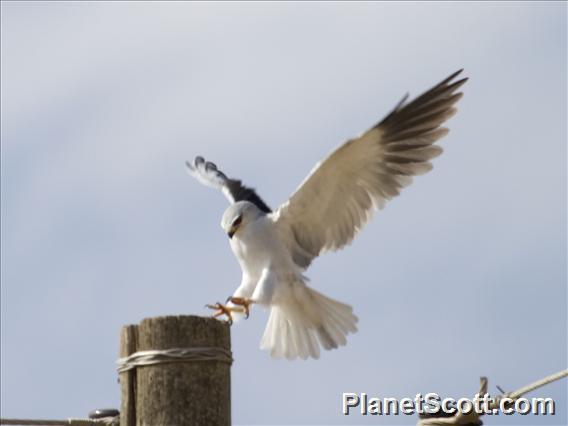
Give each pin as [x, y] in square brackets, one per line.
[242, 301]
[221, 310]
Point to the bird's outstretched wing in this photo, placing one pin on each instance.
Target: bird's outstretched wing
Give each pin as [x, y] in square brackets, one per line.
[342, 192]
[208, 174]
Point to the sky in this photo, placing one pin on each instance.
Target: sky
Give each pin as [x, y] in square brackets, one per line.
[464, 275]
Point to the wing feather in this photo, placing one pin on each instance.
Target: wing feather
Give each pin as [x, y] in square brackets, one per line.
[208, 174]
[342, 192]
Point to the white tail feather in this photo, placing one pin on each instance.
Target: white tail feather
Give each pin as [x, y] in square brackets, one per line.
[297, 324]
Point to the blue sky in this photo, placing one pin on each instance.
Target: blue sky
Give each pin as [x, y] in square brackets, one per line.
[463, 275]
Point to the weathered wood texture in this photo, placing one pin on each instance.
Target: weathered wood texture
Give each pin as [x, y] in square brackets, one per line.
[178, 394]
[128, 339]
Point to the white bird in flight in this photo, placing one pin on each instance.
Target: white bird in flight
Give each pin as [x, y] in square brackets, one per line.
[333, 203]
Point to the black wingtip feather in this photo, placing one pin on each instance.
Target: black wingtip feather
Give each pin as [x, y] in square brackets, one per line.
[451, 77]
[447, 79]
[443, 85]
[238, 191]
[441, 93]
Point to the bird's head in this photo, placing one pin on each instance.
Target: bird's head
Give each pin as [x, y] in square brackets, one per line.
[238, 216]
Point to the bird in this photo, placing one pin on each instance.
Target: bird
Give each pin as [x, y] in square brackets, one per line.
[338, 197]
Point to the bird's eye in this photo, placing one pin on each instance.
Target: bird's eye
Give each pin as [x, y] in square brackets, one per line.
[237, 221]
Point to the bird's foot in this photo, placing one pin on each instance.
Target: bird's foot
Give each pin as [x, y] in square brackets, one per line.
[225, 310]
[241, 301]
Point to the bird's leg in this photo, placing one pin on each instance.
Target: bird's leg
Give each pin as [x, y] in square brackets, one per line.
[242, 301]
[225, 310]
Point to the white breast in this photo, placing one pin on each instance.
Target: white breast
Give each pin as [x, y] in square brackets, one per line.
[257, 246]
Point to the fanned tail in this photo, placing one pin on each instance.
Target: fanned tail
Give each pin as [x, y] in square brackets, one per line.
[298, 326]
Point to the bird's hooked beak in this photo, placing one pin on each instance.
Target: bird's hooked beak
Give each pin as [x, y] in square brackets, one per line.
[233, 229]
[231, 232]
[235, 226]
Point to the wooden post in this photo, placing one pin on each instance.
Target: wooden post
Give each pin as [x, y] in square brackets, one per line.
[128, 339]
[179, 393]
